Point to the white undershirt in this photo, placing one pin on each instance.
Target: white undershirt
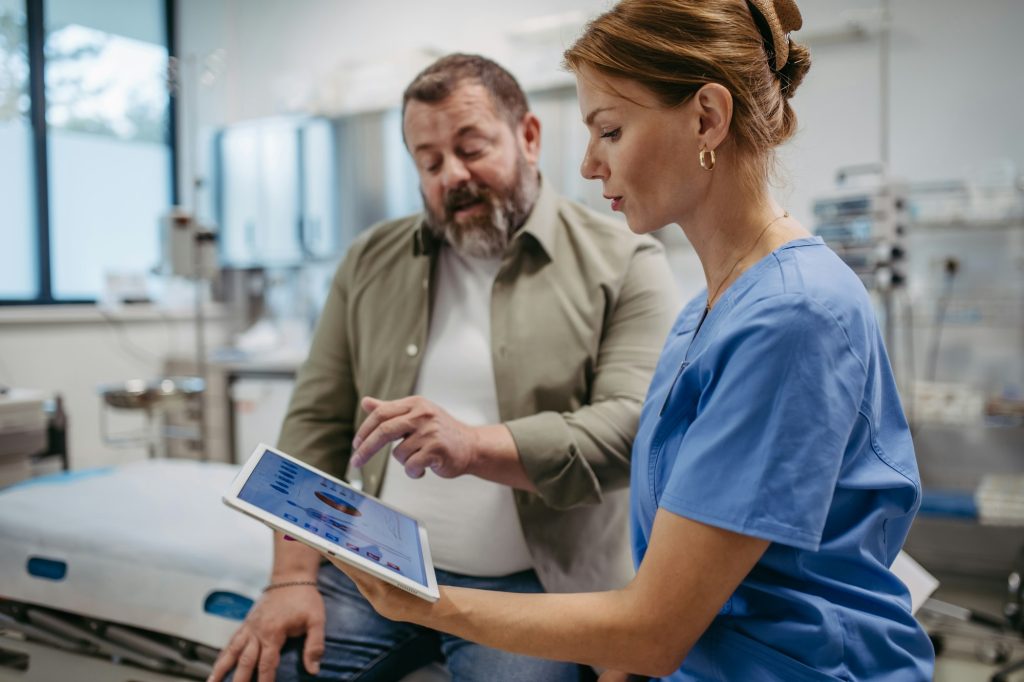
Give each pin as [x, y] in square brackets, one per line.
[472, 524]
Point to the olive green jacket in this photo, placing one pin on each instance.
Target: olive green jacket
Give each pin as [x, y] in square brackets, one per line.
[579, 310]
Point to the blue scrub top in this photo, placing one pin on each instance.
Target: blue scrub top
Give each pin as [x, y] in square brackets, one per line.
[780, 420]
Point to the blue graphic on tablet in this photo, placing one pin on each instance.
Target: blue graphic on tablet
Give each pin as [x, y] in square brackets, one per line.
[355, 523]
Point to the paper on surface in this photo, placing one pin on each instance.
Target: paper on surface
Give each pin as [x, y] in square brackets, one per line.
[920, 582]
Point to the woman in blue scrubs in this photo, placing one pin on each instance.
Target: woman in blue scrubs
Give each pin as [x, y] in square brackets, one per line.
[774, 478]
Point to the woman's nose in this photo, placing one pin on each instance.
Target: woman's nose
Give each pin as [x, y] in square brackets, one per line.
[591, 168]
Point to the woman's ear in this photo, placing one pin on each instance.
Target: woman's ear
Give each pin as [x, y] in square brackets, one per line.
[714, 109]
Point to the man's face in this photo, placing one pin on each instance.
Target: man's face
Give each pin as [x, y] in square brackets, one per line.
[478, 177]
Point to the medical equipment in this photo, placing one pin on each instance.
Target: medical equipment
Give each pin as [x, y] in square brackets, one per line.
[867, 227]
[22, 433]
[139, 564]
[32, 428]
[155, 398]
[189, 249]
[994, 640]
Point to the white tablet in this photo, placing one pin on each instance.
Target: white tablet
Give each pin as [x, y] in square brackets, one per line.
[333, 517]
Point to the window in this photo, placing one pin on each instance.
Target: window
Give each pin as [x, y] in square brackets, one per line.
[18, 275]
[101, 122]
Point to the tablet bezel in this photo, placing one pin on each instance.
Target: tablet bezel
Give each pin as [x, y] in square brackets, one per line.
[429, 592]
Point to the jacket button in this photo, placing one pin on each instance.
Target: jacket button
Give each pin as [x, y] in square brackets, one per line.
[411, 350]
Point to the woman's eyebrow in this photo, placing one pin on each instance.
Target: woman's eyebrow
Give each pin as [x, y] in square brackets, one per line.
[590, 117]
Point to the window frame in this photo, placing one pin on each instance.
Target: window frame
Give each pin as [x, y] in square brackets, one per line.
[36, 41]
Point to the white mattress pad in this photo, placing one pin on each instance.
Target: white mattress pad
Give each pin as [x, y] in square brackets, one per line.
[148, 544]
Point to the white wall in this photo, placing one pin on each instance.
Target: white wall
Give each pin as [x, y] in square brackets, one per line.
[956, 89]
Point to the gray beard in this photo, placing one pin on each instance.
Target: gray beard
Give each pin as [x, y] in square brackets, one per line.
[487, 234]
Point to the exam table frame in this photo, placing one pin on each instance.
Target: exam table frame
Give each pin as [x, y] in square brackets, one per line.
[43, 644]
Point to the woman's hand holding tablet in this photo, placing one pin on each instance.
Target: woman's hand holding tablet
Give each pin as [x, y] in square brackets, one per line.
[356, 530]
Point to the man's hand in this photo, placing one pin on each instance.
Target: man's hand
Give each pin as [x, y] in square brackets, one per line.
[431, 438]
[256, 646]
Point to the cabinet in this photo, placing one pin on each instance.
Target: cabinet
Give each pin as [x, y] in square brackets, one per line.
[276, 197]
[377, 177]
[319, 190]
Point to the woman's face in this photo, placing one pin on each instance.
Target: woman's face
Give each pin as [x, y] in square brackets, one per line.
[644, 154]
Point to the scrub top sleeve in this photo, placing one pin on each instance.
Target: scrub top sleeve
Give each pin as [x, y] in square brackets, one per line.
[777, 394]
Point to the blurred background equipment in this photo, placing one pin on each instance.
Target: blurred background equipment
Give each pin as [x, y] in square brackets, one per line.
[158, 401]
[33, 434]
[866, 225]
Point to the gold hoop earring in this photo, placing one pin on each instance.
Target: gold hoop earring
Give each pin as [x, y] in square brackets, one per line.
[704, 161]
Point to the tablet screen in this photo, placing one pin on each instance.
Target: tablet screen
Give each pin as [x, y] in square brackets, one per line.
[343, 516]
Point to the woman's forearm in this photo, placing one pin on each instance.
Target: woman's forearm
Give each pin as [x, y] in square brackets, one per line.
[605, 629]
[648, 627]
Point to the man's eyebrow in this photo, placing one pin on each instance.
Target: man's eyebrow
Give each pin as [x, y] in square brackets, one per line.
[590, 117]
[471, 129]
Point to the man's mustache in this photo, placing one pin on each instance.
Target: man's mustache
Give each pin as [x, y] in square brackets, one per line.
[460, 197]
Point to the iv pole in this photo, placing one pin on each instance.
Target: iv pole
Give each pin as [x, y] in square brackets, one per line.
[191, 102]
[201, 240]
[884, 49]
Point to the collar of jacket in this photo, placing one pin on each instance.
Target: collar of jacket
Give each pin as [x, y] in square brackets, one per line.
[539, 227]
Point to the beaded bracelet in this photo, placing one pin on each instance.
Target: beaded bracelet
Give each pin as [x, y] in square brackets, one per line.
[290, 583]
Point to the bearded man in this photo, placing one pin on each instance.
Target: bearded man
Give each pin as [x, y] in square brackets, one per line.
[495, 350]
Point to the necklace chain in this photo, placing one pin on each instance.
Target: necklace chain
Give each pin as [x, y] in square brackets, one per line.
[718, 289]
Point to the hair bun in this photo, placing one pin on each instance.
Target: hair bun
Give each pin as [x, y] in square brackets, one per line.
[782, 16]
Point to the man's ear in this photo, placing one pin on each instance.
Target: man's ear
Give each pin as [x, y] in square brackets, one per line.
[713, 104]
[529, 137]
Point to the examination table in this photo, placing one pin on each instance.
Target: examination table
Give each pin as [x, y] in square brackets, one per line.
[139, 564]
[134, 573]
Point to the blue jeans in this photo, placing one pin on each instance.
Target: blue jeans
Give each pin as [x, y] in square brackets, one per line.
[361, 645]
